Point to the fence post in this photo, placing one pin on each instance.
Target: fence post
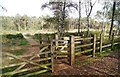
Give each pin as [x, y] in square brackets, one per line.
[56, 41]
[101, 43]
[52, 56]
[72, 50]
[112, 43]
[94, 44]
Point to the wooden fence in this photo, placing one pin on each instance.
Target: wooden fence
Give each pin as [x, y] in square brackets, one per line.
[77, 44]
[70, 47]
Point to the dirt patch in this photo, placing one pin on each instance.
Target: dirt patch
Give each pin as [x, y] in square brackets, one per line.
[102, 66]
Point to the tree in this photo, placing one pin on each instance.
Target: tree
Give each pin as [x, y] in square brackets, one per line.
[25, 21]
[17, 22]
[88, 10]
[79, 25]
[60, 10]
[113, 12]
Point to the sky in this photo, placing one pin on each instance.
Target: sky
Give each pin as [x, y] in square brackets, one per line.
[33, 8]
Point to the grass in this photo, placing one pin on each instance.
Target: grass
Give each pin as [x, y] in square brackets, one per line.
[14, 42]
[23, 42]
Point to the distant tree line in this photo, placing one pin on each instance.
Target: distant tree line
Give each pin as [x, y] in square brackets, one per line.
[25, 23]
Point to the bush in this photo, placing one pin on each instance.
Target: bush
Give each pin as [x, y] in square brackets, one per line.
[11, 36]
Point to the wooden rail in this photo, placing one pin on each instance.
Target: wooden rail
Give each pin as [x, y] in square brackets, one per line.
[76, 45]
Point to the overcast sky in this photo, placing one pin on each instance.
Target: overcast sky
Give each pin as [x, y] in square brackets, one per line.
[33, 8]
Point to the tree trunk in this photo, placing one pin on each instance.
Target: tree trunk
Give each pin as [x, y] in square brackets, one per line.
[88, 26]
[113, 12]
[79, 25]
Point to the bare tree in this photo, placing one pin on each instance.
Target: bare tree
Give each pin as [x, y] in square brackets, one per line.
[88, 10]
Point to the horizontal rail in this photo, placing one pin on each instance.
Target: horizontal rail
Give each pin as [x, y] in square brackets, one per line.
[62, 56]
[76, 37]
[84, 45]
[106, 46]
[26, 69]
[34, 73]
[85, 51]
[116, 43]
[79, 42]
[89, 38]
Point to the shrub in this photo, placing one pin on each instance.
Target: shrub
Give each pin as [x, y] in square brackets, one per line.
[11, 36]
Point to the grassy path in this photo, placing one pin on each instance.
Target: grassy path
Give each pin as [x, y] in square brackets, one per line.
[32, 50]
[30, 40]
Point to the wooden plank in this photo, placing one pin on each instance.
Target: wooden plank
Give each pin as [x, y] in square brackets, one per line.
[116, 43]
[77, 42]
[77, 37]
[34, 73]
[83, 45]
[43, 49]
[26, 56]
[88, 38]
[106, 46]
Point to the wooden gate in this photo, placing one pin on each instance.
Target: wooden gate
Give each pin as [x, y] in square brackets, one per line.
[61, 48]
[29, 65]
